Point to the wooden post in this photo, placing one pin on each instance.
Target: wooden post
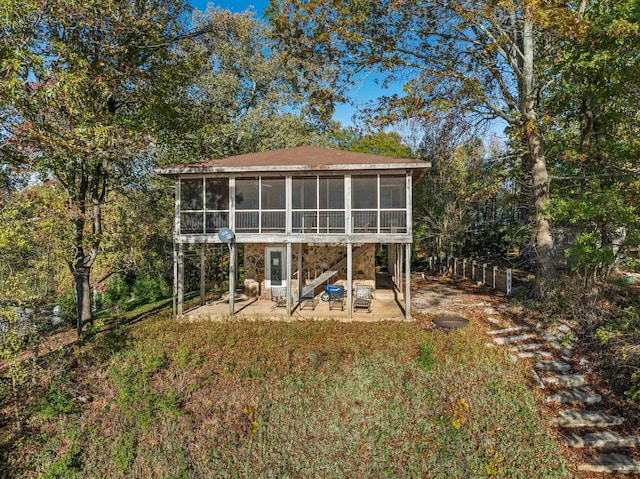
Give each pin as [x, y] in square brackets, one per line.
[407, 287]
[348, 214]
[175, 278]
[473, 270]
[464, 267]
[288, 269]
[349, 278]
[300, 277]
[509, 278]
[484, 273]
[455, 266]
[180, 288]
[495, 270]
[400, 269]
[203, 276]
[232, 278]
[409, 202]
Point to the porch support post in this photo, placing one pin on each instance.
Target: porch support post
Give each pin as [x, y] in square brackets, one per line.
[175, 278]
[395, 266]
[288, 268]
[203, 275]
[232, 277]
[400, 268]
[300, 277]
[349, 278]
[177, 309]
[407, 282]
[180, 283]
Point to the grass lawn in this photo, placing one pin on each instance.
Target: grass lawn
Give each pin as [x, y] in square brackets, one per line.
[277, 399]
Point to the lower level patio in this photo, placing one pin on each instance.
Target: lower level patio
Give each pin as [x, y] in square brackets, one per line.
[386, 306]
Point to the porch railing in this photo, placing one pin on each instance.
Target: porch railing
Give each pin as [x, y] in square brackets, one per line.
[302, 221]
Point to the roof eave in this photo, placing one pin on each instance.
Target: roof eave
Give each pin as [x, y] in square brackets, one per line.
[187, 170]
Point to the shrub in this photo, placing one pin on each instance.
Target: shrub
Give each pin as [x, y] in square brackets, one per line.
[117, 293]
[150, 289]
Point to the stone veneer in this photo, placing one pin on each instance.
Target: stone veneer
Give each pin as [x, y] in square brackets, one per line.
[315, 260]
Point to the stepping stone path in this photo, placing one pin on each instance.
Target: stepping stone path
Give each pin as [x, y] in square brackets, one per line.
[544, 349]
[513, 339]
[535, 354]
[569, 380]
[571, 418]
[574, 396]
[603, 439]
[554, 365]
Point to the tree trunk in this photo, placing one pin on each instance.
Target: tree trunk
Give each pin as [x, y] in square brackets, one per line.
[83, 297]
[528, 95]
[545, 267]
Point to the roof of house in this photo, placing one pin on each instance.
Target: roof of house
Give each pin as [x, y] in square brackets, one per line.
[302, 158]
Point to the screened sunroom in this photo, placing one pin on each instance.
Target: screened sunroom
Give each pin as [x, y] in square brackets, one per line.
[319, 205]
[334, 206]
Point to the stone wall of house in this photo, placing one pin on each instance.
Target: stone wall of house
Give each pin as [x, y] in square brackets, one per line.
[315, 260]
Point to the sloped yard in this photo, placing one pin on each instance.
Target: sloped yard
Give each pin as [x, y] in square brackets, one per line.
[277, 399]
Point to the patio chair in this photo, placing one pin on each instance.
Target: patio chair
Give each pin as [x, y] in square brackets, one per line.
[279, 296]
[364, 297]
[308, 300]
[336, 299]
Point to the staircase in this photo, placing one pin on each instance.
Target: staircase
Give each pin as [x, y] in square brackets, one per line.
[583, 427]
[308, 289]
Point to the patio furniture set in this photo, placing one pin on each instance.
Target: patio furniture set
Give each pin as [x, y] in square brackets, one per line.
[333, 294]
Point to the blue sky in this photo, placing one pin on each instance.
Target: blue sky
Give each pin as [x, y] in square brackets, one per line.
[367, 89]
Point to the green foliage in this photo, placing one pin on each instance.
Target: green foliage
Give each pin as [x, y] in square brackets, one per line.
[117, 293]
[381, 143]
[66, 467]
[96, 81]
[138, 398]
[16, 335]
[426, 359]
[307, 399]
[593, 132]
[149, 289]
[123, 450]
[56, 400]
[245, 94]
[68, 304]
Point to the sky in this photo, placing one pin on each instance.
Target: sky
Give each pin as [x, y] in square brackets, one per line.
[365, 91]
[360, 94]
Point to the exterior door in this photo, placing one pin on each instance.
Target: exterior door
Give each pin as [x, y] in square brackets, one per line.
[275, 268]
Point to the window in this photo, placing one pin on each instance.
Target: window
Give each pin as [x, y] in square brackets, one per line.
[392, 192]
[204, 205]
[247, 194]
[273, 194]
[217, 194]
[379, 204]
[331, 193]
[364, 192]
[261, 205]
[191, 194]
[305, 193]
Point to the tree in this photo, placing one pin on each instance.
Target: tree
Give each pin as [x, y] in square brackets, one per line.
[380, 143]
[87, 80]
[595, 129]
[244, 97]
[484, 58]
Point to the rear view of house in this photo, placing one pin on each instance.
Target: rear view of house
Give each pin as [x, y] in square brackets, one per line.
[305, 216]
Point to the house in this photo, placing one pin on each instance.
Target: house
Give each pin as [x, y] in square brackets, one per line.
[305, 216]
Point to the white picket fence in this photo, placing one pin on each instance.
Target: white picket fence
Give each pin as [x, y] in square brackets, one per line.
[500, 279]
